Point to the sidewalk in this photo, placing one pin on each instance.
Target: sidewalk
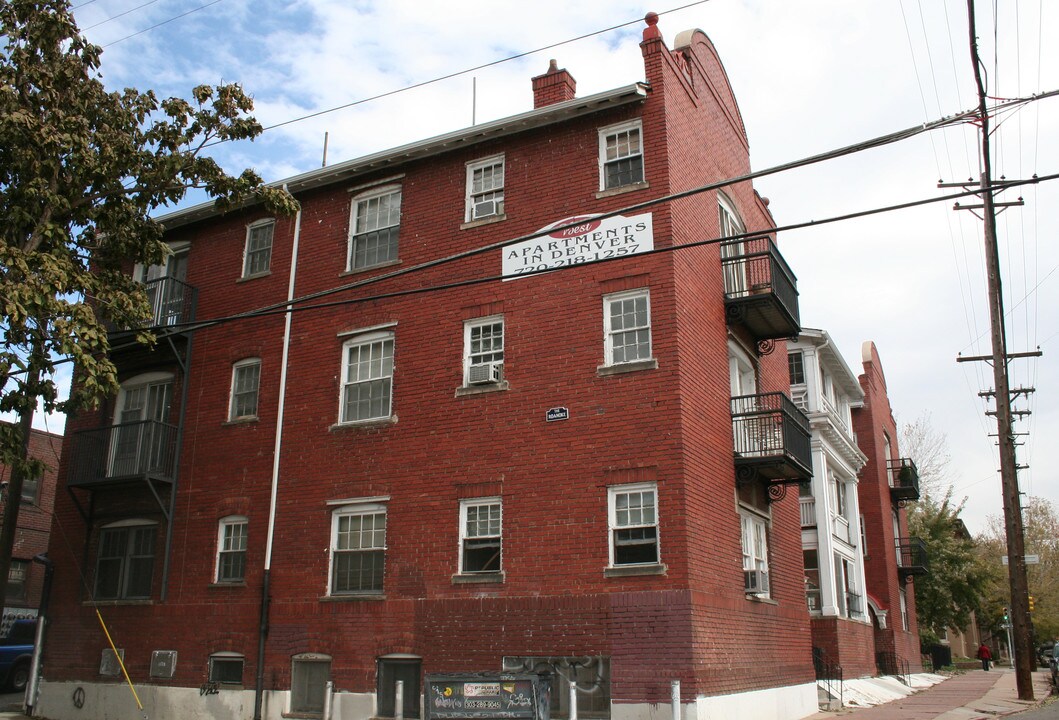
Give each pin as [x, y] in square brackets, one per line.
[973, 695]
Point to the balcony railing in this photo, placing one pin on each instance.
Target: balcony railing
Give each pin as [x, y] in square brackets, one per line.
[771, 436]
[911, 557]
[760, 291]
[122, 453]
[807, 509]
[172, 303]
[814, 601]
[854, 604]
[840, 529]
[903, 478]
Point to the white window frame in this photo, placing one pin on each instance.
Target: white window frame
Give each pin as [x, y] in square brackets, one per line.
[377, 370]
[230, 545]
[255, 232]
[729, 224]
[472, 358]
[469, 534]
[237, 369]
[754, 536]
[357, 510]
[610, 333]
[495, 192]
[605, 133]
[615, 523]
[361, 205]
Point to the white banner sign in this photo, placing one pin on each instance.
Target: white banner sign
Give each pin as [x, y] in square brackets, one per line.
[588, 240]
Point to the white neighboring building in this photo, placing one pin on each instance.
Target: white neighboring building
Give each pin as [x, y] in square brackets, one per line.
[825, 389]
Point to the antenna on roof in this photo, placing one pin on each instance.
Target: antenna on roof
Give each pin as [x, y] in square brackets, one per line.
[323, 163]
[474, 99]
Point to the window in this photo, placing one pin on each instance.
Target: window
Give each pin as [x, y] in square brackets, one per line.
[620, 156]
[374, 222]
[17, 575]
[903, 597]
[485, 188]
[246, 376]
[367, 378]
[125, 565]
[796, 367]
[633, 525]
[258, 253]
[483, 350]
[755, 554]
[308, 682]
[30, 490]
[627, 327]
[811, 560]
[231, 549]
[226, 668]
[733, 253]
[358, 549]
[480, 535]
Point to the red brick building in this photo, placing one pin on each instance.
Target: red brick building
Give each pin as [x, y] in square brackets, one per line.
[892, 559]
[443, 462]
[26, 578]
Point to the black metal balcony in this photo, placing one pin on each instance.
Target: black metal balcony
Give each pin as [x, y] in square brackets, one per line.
[903, 478]
[771, 437]
[172, 303]
[122, 454]
[911, 557]
[760, 291]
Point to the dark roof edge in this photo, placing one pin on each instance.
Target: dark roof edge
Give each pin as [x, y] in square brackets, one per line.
[339, 172]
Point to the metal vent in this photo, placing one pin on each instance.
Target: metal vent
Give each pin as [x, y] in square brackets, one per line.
[163, 663]
[108, 662]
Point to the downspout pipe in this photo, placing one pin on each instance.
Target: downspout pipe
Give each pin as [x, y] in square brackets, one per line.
[266, 579]
[33, 687]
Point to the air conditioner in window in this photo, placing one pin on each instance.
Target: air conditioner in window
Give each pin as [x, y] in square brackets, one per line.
[486, 208]
[485, 373]
[756, 582]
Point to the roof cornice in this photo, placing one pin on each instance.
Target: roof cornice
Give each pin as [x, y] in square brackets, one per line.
[343, 171]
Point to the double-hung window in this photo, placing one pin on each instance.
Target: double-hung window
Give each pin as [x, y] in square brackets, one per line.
[485, 188]
[231, 549]
[627, 327]
[358, 549]
[374, 223]
[367, 378]
[483, 350]
[755, 554]
[633, 520]
[246, 377]
[258, 253]
[480, 535]
[620, 155]
[125, 562]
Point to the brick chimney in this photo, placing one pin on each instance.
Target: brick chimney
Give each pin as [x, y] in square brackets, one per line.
[552, 87]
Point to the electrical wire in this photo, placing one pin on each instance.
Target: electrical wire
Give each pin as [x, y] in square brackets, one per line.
[164, 22]
[115, 17]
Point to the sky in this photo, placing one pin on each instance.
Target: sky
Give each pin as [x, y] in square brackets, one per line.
[809, 76]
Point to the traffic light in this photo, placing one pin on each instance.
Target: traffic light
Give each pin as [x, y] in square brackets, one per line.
[1006, 616]
[1031, 603]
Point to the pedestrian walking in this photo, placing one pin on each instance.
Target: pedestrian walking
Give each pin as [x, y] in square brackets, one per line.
[985, 656]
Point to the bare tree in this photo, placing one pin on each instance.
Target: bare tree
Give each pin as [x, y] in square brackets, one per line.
[929, 449]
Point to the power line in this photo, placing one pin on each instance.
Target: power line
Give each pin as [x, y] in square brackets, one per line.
[115, 17]
[164, 22]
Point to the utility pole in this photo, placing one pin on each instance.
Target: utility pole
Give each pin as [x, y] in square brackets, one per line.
[1020, 613]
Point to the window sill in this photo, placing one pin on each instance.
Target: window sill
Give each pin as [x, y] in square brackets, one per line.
[623, 189]
[483, 221]
[368, 268]
[112, 603]
[353, 597]
[633, 570]
[479, 578]
[605, 370]
[366, 424]
[255, 276]
[467, 390]
[302, 715]
[233, 584]
[248, 420]
[761, 599]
